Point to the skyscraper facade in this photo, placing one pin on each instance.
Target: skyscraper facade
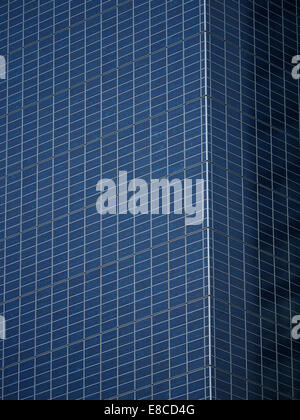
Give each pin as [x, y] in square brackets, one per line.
[254, 153]
[145, 306]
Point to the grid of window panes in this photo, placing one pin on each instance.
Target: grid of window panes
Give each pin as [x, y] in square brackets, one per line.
[115, 306]
[254, 132]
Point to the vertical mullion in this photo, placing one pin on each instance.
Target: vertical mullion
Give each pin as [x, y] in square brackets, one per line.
[69, 200]
[101, 223]
[85, 203]
[243, 212]
[134, 218]
[117, 216]
[37, 209]
[21, 205]
[185, 226]
[6, 194]
[168, 216]
[151, 217]
[287, 198]
[207, 11]
[53, 206]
